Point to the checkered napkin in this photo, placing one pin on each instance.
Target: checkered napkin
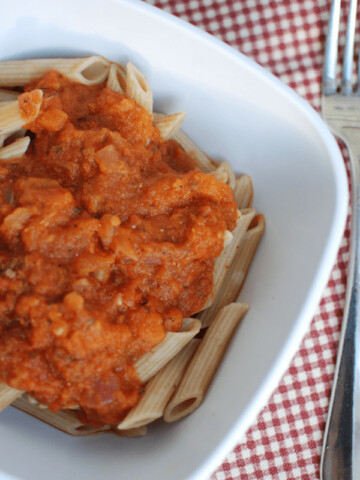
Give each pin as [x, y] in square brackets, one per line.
[287, 38]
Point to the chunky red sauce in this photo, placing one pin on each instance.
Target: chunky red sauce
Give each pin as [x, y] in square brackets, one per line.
[107, 239]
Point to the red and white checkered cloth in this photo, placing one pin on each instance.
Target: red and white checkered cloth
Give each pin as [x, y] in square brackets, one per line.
[287, 38]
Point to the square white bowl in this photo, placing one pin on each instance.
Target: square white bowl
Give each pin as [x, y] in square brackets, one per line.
[236, 112]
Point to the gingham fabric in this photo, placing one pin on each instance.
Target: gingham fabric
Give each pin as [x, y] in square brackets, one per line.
[286, 37]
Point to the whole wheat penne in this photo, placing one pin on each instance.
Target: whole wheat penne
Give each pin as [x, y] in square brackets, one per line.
[201, 160]
[65, 420]
[138, 88]
[12, 136]
[131, 432]
[159, 390]
[250, 243]
[7, 395]
[87, 70]
[224, 173]
[15, 149]
[202, 367]
[10, 118]
[223, 262]
[14, 115]
[150, 363]
[235, 278]
[243, 191]
[168, 124]
[117, 78]
[176, 373]
[8, 95]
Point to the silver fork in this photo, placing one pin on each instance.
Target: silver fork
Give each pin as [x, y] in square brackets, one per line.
[340, 458]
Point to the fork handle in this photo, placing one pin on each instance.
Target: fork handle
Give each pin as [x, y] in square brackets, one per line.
[341, 448]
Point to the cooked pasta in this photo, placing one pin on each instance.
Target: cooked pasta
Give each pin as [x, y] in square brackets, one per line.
[16, 149]
[201, 160]
[223, 262]
[89, 70]
[117, 78]
[16, 114]
[243, 191]
[104, 304]
[202, 367]
[159, 390]
[138, 88]
[152, 362]
[168, 125]
[8, 95]
[238, 270]
[7, 395]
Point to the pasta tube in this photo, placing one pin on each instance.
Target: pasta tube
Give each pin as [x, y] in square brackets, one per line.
[239, 268]
[131, 432]
[201, 160]
[243, 191]
[223, 262]
[168, 124]
[88, 70]
[138, 88]
[117, 78]
[14, 115]
[8, 95]
[65, 420]
[159, 390]
[152, 362]
[202, 367]
[7, 395]
[14, 136]
[15, 149]
[224, 173]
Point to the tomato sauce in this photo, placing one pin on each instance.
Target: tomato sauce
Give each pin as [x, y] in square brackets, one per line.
[108, 236]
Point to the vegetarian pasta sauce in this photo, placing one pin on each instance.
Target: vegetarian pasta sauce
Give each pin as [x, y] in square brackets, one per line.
[107, 240]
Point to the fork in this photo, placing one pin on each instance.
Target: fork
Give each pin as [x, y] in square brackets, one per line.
[340, 457]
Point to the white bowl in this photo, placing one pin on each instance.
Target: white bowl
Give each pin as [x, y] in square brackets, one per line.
[236, 112]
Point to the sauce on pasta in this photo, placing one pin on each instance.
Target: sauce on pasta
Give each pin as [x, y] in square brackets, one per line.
[107, 240]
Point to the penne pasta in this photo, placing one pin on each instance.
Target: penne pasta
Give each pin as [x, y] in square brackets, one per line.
[117, 78]
[15, 149]
[201, 160]
[223, 262]
[237, 273]
[168, 124]
[131, 432]
[7, 395]
[202, 367]
[150, 363]
[88, 70]
[8, 95]
[224, 173]
[10, 118]
[248, 249]
[14, 115]
[243, 191]
[177, 372]
[138, 88]
[65, 420]
[159, 390]
[11, 136]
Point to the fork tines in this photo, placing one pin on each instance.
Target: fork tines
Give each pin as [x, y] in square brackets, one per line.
[331, 50]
